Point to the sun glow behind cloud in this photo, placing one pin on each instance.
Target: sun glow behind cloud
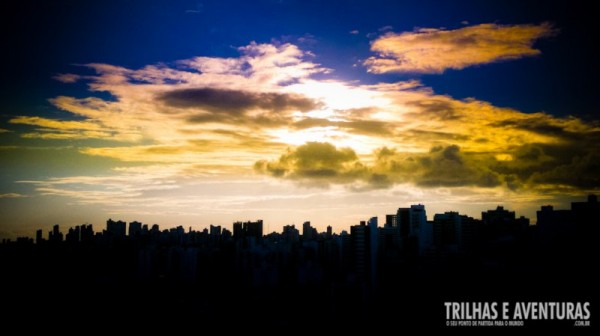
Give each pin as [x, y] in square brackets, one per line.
[213, 134]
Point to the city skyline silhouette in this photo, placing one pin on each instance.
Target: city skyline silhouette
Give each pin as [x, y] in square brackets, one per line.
[350, 273]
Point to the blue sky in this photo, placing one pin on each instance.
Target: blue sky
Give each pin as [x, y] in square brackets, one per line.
[545, 88]
[47, 38]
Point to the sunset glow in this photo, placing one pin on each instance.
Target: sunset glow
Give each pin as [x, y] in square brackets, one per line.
[285, 127]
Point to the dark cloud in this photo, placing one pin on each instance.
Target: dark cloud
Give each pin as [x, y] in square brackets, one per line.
[359, 112]
[369, 127]
[233, 101]
[233, 105]
[432, 136]
[570, 160]
[436, 108]
[324, 163]
[566, 129]
[313, 122]
[442, 166]
[583, 171]
[544, 125]
[448, 166]
[529, 166]
[553, 164]
[366, 127]
[321, 162]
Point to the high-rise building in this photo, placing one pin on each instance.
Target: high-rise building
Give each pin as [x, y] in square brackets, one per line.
[575, 226]
[415, 232]
[501, 223]
[361, 251]
[469, 237]
[585, 215]
[87, 232]
[307, 232]
[248, 229]
[390, 221]
[226, 234]
[238, 230]
[38, 236]
[403, 222]
[73, 235]
[254, 229]
[389, 241]
[215, 231]
[373, 247]
[55, 235]
[135, 229]
[115, 229]
[454, 233]
[290, 233]
[445, 231]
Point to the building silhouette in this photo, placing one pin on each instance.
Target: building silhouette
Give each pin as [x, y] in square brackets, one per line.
[360, 240]
[135, 229]
[55, 236]
[115, 229]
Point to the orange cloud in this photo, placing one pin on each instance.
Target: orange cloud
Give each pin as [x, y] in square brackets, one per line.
[429, 50]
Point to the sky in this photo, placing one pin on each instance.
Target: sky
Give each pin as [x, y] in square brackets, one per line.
[207, 112]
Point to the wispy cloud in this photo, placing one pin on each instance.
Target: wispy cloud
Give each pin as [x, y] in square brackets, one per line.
[62, 129]
[431, 50]
[12, 195]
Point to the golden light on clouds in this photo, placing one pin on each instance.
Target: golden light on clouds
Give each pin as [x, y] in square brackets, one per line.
[263, 116]
[430, 50]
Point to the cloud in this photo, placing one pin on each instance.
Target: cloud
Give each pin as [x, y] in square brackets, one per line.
[166, 105]
[322, 163]
[441, 166]
[430, 50]
[260, 66]
[2, 130]
[56, 124]
[62, 129]
[567, 129]
[316, 162]
[529, 167]
[266, 112]
[12, 195]
[67, 78]
[581, 172]
[565, 164]
[307, 39]
[352, 125]
[223, 104]
[354, 32]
